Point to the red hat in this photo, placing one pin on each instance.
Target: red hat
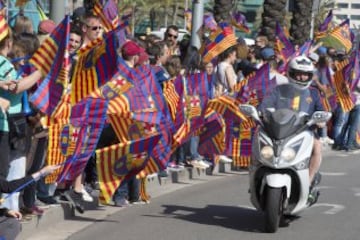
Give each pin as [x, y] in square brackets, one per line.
[130, 48]
[143, 58]
[46, 26]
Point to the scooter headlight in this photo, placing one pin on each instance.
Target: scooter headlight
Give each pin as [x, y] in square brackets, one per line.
[288, 154]
[267, 152]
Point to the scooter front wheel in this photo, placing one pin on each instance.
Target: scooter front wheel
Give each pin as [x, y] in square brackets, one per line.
[273, 209]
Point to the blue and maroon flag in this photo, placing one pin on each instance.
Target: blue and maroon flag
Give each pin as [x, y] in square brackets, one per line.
[52, 60]
[95, 66]
[83, 132]
[118, 161]
[238, 20]
[324, 27]
[258, 85]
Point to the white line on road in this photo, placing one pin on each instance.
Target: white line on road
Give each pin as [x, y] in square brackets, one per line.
[334, 208]
[333, 173]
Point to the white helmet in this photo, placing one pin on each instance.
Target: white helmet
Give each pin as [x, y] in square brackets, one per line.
[300, 64]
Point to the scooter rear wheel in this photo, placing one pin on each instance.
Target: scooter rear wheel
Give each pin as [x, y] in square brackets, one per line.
[273, 209]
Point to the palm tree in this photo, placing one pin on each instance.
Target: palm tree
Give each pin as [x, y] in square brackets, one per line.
[301, 21]
[222, 10]
[274, 10]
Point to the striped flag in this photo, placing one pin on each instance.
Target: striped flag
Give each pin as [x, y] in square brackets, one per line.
[209, 22]
[99, 11]
[257, 86]
[4, 27]
[340, 37]
[95, 66]
[118, 161]
[52, 59]
[83, 132]
[212, 127]
[218, 41]
[238, 20]
[191, 110]
[238, 141]
[283, 46]
[342, 88]
[325, 26]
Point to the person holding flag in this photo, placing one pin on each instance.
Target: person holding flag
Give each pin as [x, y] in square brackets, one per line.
[9, 225]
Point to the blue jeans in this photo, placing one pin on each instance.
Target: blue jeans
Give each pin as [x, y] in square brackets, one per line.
[339, 129]
[193, 147]
[352, 127]
[128, 189]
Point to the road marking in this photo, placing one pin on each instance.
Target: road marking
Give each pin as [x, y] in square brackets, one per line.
[333, 173]
[247, 207]
[334, 208]
[357, 192]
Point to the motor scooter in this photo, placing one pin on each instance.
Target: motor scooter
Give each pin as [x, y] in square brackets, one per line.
[279, 168]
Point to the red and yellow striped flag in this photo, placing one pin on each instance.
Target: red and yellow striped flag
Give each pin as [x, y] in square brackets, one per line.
[118, 161]
[4, 27]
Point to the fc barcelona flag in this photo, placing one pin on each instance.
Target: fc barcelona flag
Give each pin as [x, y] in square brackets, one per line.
[52, 60]
[80, 137]
[95, 66]
[121, 160]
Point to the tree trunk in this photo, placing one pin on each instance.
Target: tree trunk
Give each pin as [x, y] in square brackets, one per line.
[274, 10]
[301, 21]
[176, 8]
[222, 10]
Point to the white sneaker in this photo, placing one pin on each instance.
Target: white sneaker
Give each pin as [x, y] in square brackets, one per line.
[199, 164]
[225, 159]
[86, 196]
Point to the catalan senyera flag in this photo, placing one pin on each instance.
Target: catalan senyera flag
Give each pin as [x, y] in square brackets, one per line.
[218, 41]
[52, 59]
[86, 123]
[118, 161]
[342, 88]
[340, 37]
[95, 66]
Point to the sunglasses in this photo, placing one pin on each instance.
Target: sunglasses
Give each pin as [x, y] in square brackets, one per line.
[172, 36]
[94, 28]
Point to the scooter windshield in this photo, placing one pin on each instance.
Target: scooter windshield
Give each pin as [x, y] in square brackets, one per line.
[282, 123]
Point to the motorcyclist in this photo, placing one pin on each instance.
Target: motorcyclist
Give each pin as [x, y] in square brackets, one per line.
[299, 96]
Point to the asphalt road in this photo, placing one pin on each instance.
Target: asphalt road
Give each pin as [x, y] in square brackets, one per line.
[221, 209]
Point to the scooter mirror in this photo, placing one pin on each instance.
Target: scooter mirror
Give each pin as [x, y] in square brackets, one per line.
[320, 116]
[250, 111]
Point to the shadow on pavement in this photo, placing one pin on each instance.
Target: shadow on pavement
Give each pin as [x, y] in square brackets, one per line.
[238, 218]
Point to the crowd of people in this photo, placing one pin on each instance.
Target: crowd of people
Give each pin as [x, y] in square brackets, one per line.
[25, 155]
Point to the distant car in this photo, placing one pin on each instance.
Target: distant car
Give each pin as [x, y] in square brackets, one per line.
[161, 33]
[249, 41]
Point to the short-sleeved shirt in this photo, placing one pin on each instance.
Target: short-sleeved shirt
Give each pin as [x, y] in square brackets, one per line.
[8, 72]
[289, 97]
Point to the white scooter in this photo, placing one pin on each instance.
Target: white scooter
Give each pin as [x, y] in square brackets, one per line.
[279, 170]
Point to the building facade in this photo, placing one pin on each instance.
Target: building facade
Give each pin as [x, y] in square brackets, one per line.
[344, 9]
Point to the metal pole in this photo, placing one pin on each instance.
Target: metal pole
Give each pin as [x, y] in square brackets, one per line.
[314, 11]
[57, 10]
[196, 23]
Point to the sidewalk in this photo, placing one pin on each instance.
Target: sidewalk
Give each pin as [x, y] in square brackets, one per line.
[61, 221]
